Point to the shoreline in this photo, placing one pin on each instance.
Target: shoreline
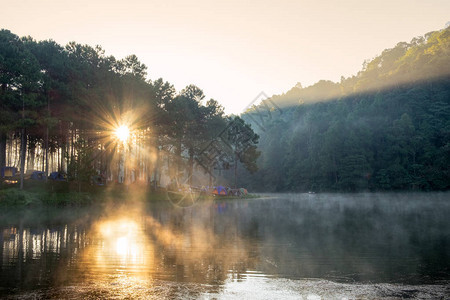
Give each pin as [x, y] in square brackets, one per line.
[71, 194]
[62, 195]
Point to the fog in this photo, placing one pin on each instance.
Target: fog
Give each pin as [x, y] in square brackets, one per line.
[306, 244]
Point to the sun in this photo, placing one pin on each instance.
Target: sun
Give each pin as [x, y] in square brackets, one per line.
[122, 133]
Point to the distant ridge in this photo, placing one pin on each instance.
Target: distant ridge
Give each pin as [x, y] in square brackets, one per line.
[424, 58]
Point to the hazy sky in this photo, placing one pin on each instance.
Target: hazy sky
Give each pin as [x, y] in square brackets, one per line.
[232, 49]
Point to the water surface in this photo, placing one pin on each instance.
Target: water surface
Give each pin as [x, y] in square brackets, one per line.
[310, 246]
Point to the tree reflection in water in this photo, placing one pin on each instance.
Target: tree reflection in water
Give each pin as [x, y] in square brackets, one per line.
[228, 248]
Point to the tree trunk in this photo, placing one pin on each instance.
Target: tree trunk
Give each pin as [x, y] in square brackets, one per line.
[2, 150]
[72, 144]
[10, 150]
[139, 164]
[156, 169]
[63, 156]
[42, 155]
[121, 175]
[46, 154]
[235, 169]
[58, 161]
[16, 152]
[3, 138]
[31, 155]
[23, 151]
[178, 160]
[191, 166]
[52, 161]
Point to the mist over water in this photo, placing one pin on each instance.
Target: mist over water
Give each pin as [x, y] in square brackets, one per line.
[278, 246]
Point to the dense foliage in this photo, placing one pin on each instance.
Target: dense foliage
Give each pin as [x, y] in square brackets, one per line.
[387, 128]
[59, 107]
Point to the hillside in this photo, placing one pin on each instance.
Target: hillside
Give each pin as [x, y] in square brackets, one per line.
[386, 128]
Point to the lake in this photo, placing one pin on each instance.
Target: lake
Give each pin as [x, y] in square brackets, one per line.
[279, 246]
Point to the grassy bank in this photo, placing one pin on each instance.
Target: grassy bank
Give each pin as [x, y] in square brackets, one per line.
[37, 193]
[66, 194]
[17, 197]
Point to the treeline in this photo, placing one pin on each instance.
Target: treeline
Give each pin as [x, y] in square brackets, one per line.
[59, 107]
[386, 128]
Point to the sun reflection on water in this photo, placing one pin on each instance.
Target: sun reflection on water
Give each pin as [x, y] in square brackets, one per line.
[123, 246]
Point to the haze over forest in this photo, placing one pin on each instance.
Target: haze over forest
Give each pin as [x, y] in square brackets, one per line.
[385, 128]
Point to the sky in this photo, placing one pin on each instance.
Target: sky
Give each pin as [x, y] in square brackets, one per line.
[233, 49]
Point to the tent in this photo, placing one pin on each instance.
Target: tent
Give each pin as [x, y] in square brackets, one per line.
[219, 190]
[57, 176]
[38, 175]
[243, 191]
[98, 180]
[8, 172]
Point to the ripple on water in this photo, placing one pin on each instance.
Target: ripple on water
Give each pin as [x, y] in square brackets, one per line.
[252, 287]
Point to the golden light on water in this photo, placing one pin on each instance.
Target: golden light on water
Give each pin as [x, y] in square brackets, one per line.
[123, 243]
[122, 133]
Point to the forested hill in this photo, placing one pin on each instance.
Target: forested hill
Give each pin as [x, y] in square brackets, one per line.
[424, 58]
[386, 128]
